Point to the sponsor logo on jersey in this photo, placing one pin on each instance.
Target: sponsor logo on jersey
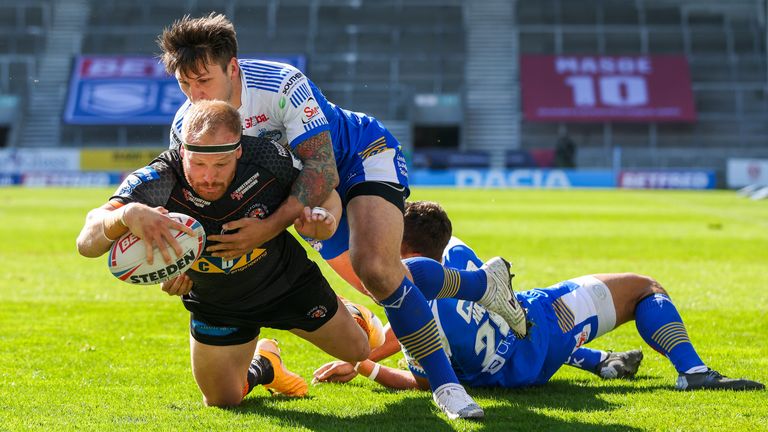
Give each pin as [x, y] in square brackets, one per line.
[274, 135]
[136, 178]
[259, 211]
[193, 199]
[582, 337]
[600, 291]
[147, 173]
[212, 264]
[318, 311]
[252, 121]
[281, 150]
[311, 110]
[181, 263]
[402, 166]
[175, 140]
[201, 327]
[281, 103]
[291, 81]
[245, 187]
[310, 113]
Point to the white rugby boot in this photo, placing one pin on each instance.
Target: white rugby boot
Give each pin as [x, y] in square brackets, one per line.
[500, 298]
[454, 401]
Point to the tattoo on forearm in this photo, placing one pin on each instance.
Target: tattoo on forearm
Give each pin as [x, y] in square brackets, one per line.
[319, 176]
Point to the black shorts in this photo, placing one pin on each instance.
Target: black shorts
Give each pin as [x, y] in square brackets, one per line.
[310, 304]
[392, 192]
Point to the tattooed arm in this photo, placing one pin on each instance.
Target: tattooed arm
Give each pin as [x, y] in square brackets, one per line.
[313, 186]
[319, 176]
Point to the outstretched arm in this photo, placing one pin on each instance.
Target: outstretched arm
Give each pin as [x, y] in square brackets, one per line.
[388, 348]
[105, 224]
[102, 226]
[341, 372]
[384, 375]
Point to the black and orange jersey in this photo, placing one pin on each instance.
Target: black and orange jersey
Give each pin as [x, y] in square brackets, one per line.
[263, 180]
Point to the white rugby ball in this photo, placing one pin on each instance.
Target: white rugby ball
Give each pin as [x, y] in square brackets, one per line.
[128, 258]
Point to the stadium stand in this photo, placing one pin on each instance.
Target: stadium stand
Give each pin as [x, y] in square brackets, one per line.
[375, 56]
[23, 30]
[439, 158]
[725, 47]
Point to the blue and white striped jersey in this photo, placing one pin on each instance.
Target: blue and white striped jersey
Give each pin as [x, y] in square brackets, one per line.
[457, 255]
[279, 102]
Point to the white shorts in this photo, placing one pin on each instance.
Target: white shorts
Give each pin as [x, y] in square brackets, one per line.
[591, 298]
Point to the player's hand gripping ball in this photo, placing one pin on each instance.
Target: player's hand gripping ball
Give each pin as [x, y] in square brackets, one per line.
[127, 259]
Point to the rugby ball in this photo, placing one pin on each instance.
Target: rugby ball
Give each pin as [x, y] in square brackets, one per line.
[128, 259]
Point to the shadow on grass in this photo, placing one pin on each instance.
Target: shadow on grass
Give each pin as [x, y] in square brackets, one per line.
[505, 409]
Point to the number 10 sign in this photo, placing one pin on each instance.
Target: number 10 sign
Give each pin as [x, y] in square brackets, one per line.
[606, 88]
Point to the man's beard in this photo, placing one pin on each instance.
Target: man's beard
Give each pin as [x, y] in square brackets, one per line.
[209, 194]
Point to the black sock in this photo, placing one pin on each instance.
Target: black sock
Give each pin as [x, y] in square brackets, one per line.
[260, 372]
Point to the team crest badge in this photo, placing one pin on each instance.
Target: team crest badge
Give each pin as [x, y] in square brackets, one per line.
[257, 211]
[317, 312]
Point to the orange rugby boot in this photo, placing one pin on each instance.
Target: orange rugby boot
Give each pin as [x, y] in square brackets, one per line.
[369, 322]
[285, 382]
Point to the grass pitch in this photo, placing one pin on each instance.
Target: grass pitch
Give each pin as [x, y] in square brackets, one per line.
[80, 350]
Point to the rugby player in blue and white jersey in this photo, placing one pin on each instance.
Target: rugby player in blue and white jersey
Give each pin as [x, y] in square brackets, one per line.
[351, 152]
[485, 353]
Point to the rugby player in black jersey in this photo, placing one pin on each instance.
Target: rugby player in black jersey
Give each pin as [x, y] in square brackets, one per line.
[219, 176]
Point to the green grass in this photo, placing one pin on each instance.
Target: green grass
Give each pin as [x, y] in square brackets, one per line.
[80, 350]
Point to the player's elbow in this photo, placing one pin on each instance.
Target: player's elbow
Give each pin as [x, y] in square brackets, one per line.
[87, 252]
[82, 249]
[86, 247]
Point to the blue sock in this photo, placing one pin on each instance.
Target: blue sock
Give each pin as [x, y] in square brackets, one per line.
[586, 358]
[413, 323]
[661, 327]
[436, 281]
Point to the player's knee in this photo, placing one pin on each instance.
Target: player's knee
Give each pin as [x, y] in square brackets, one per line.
[656, 287]
[223, 400]
[371, 268]
[359, 352]
[645, 286]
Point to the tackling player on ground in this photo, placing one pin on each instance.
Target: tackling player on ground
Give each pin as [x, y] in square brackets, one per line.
[218, 176]
[351, 152]
[484, 352]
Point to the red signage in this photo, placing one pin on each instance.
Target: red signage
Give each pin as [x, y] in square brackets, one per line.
[121, 67]
[583, 88]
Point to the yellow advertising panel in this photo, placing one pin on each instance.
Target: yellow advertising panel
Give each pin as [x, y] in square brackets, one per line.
[117, 159]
